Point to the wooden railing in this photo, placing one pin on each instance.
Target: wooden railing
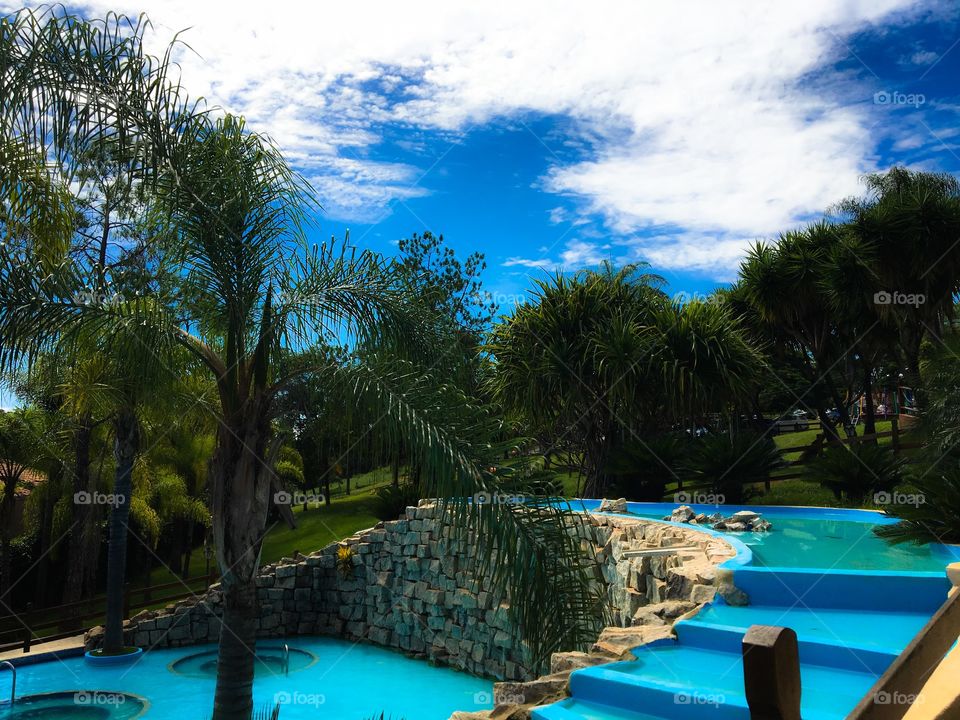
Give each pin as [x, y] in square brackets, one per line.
[35, 627]
[814, 450]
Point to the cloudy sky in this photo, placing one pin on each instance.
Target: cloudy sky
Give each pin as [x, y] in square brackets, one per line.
[556, 135]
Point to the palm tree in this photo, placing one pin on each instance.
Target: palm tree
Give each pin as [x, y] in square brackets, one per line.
[239, 290]
[573, 358]
[702, 354]
[785, 284]
[909, 221]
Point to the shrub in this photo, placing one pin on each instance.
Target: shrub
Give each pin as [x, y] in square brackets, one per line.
[390, 501]
[797, 492]
[641, 470]
[858, 471]
[289, 474]
[727, 463]
[934, 516]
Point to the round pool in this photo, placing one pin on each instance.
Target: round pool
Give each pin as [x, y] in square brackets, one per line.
[79, 705]
[270, 662]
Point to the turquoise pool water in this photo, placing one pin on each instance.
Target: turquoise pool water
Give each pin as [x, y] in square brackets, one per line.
[270, 661]
[854, 601]
[76, 706]
[347, 682]
[839, 544]
[819, 538]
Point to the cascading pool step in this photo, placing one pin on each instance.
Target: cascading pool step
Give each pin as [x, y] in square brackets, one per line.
[688, 683]
[864, 641]
[571, 709]
[880, 591]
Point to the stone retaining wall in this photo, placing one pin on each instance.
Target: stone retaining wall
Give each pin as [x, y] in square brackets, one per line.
[409, 585]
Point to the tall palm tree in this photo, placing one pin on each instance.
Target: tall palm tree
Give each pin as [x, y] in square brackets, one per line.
[573, 358]
[909, 221]
[240, 289]
[702, 354]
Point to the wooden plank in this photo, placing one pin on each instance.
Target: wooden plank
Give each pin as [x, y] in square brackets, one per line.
[891, 696]
[771, 673]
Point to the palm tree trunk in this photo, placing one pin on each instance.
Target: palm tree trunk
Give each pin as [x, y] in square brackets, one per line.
[240, 479]
[235, 661]
[80, 557]
[870, 418]
[126, 446]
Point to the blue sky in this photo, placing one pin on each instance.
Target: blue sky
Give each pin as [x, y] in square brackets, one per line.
[552, 136]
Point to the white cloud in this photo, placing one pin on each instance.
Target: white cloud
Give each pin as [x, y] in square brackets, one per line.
[698, 116]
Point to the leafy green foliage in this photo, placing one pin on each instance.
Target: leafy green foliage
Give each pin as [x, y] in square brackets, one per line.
[858, 471]
[726, 464]
[932, 514]
[640, 469]
[571, 360]
[392, 500]
[290, 475]
[798, 492]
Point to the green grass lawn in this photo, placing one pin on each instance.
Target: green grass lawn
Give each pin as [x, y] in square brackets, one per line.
[316, 527]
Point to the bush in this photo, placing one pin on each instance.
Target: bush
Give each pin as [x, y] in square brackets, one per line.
[641, 470]
[797, 492]
[929, 509]
[727, 463]
[857, 472]
[289, 474]
[390, 501]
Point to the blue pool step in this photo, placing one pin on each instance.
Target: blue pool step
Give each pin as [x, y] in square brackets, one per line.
[660, 683]
[832, 637]
[850, 627]
[571, 709]
[851, 590]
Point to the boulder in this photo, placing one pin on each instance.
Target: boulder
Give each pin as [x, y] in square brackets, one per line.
[682, 514]
[574, 660]
[618, 642]
[613, 506]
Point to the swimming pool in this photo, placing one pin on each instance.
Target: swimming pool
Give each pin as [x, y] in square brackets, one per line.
[824, 538]
[348, 681]
[854, 601]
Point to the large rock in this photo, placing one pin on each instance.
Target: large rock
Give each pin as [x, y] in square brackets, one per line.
[613, 506]
[682, 514]
[618, 642]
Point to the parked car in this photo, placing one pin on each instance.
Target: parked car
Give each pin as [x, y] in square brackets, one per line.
[793, 423]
